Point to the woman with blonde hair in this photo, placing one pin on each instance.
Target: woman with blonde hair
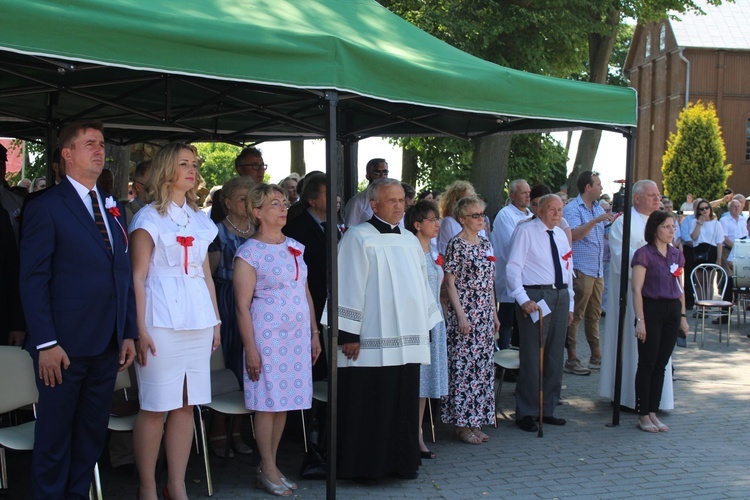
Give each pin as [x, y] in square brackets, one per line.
[277, 323]
[449, 226]
[177, 316]
[471, 325]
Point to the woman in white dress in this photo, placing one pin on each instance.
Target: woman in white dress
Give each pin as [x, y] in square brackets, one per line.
[178, 325]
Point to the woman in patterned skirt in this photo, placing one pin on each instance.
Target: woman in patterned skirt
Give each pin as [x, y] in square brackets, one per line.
[275, 316]
[471, 324]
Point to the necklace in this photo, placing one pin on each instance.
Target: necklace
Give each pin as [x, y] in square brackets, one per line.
[177, 223]
[246, 231]
[269, 240]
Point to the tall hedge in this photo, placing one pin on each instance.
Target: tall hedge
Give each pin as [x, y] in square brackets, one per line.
[695, 156]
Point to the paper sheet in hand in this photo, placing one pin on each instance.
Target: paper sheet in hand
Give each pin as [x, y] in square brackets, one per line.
[545, 311]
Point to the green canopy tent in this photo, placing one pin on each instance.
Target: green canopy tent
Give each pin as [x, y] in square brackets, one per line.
[238, 71]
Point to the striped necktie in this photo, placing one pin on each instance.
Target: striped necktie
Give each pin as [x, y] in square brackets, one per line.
[100, 220]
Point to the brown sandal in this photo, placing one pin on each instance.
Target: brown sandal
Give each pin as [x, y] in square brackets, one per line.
[465, 435]
[481, 435]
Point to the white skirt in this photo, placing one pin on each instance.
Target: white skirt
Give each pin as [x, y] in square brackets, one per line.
[180, 355]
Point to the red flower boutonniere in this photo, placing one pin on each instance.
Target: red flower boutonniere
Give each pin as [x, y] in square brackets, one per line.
[675, 270]
[114, 211]
[491, 256]
[437, 257]
[566, 258]
[296, 252]
[185, 241]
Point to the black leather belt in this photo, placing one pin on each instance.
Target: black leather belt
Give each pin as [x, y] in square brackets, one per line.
[546, 287]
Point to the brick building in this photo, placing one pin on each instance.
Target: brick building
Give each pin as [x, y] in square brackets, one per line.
[698, 57]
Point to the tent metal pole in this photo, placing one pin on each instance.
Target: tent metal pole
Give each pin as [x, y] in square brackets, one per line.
[50, 135]
[625, 266]
[332, 177]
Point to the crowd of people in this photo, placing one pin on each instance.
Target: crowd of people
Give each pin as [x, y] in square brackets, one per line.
[428, 290]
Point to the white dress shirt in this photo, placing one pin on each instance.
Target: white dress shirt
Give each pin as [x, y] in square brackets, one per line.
[505, 223]
[530, 260]
[83, 192]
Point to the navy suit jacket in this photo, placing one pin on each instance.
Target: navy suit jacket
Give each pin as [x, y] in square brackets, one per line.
[73, 290]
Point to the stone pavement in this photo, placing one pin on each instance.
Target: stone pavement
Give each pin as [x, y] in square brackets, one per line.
[705, 454]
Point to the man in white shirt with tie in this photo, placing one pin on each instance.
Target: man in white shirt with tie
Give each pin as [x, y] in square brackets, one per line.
[540, 268]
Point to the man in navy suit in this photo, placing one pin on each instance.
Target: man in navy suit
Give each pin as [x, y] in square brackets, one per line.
[77, 295]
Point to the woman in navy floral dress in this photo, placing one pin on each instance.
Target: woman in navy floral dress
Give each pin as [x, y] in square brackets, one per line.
[472, 324]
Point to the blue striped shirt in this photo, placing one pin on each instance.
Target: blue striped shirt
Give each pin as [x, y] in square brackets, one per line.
[588, 252]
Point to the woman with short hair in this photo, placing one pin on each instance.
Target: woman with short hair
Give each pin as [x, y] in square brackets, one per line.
[471, 325]
[659, 305]
[277, 323]
[423, 220]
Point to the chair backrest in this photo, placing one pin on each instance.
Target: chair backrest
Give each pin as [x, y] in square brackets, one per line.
[223, 380]
[17, 379]
[705, 277]
[217, 359]
[741, 263]
[123, 380]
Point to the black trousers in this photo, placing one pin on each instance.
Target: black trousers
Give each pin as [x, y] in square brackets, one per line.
[662, 318]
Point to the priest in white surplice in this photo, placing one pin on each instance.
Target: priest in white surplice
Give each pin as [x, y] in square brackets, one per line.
[645, 200]
[386, 311]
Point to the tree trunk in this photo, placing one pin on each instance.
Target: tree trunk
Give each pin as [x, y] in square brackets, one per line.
[120, 167]
[297, 150]
[409, 167]
[600, 53]
[490, 169]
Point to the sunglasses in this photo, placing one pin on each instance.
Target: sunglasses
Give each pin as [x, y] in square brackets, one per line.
[480, 215]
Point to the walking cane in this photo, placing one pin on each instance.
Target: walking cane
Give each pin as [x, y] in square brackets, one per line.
[541, 375]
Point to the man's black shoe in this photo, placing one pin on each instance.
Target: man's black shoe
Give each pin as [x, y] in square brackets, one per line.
[554, 420]
[527, 424]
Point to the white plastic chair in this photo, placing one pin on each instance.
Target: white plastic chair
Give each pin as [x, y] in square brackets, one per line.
[17, 389]
[506, 359]
[227, 397]
[709, 280]
[741, 277]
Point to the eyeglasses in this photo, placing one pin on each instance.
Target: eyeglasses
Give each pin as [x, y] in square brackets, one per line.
[139, 183]
[279, 205]
[480, 215]
[379, 173]
[255, 166]
[435, 220]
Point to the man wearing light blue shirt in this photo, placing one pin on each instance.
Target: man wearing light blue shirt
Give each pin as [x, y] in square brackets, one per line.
[587, 219]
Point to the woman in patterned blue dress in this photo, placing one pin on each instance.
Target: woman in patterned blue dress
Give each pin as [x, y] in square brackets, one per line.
[471, 325]
[276, 320]
[422, 219]
[234, 230]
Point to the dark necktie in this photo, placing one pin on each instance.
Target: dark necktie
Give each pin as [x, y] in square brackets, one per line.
[100, 220]
[555, 259]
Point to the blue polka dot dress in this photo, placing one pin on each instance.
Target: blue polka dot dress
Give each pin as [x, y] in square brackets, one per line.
[281, 321]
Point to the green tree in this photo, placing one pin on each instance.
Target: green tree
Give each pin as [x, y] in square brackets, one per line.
[695, 155]
[35, 164]
[218, 162]
[575, 39]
